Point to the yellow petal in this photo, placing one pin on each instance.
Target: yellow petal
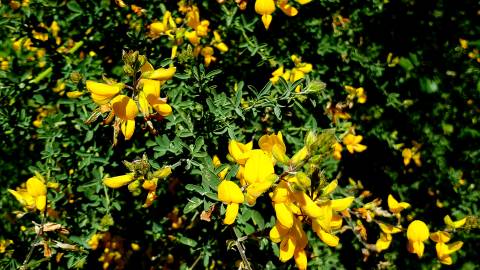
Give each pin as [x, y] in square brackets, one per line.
[239, 151]
[17, 196]
[284, 215]
[388, 228]
[144, 105]
[383, 242]
[128, 127]
[281, 193]
[454, 224]
[118, 181]
[440, 237]
[417, 231]
[258, 167]
[163, 109]
[263, 7]
[341, 204]
[308, 206]
[395, 206]
[35, 187]
[103, 89]
[300, 259]
[74, 94]
[229, 192]
[124, 107]
[41, 202]
[278, 232]
[267, 19]
[329, 188]
[147, 66]
[336, 222]
[161, 74]
[231, 213]
[329, 239]
[287, 248]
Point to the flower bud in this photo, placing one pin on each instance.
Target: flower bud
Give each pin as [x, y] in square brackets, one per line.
[75, 77]
[299, 156]
[163, 172]
[128, 70]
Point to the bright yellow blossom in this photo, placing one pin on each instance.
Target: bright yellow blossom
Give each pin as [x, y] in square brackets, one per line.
[102, 93]
[288, 9]
[239, 151]
[395, 206]
[34, 195]
[411, 153]
[454, 224]
[352, 143]
[383, 241]
[118, 181]
[231, 194]
[265, 8]
[417, 233]
[125, 109]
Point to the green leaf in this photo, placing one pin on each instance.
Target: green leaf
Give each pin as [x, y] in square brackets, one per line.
[192, 205]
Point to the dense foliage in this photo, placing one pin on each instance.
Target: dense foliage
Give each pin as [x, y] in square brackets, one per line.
[345, 134]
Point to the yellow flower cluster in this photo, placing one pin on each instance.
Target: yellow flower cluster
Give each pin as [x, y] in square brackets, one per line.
[358, 93]
[418, 232]
[265, 8]
[33, 194]
[42, 113]
[113, 249]
[145, 97]
[294, 74]
[139, 177]
[294, 199]
[473, 54]
[191, 28]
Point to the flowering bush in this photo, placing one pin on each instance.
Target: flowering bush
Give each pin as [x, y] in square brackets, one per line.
[310, 132]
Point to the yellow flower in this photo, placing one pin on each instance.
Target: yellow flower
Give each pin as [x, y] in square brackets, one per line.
[192, 37]
[102, 93]
[35, 194]
[207, 53]
[352, 143]
[388, 228]
[265, 8]
[275, 145]
[126, 110]
[417, 233]
[231, 194]
[303, 2]
[463, 43]
[239, 151]
[383, 241]
[454, 224]
[361, 96]
[74, 94]
[118, 181]
[411, 153]
[444, 251]
[396, 207]
[150, 98]
[288, 9]
[218, 43]
[440, 237]
[276, 75]
[337, 151]
[161, 74]
[258, 167]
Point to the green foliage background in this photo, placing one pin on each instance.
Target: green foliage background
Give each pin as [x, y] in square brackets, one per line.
[431, 96]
